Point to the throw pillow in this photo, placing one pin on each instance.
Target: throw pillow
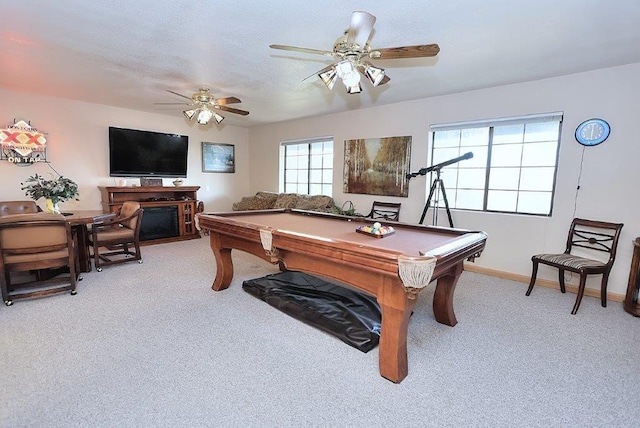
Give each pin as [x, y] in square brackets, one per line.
[316, 203]
[287, 200]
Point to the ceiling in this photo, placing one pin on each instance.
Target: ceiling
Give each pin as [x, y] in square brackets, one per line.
[129, 53]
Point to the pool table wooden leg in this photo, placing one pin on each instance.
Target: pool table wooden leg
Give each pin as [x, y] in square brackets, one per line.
[443, 297]
[224, 263]
[396, 310]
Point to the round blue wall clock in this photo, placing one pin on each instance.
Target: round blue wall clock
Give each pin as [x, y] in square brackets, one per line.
[592, 132]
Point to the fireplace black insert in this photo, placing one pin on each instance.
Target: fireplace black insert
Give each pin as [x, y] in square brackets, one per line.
[159, 222]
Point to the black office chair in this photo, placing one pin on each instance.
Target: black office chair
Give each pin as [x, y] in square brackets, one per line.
[385, 211]
[594, 236]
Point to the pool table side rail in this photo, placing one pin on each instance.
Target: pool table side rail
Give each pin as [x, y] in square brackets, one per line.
[378, 257]
[367, 256]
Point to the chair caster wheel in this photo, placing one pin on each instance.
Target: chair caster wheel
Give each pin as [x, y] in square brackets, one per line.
[140, 261]
[8, 302]
[99, 269]
[74, 292]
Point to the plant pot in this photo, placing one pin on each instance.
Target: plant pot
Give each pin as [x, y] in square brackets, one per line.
[52, 207]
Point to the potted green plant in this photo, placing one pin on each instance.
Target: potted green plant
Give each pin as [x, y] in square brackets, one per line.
[54, 190]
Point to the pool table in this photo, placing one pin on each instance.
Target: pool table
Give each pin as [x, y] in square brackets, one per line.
[394, 268]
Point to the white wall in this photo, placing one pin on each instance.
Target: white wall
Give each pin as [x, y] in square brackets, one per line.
[77, 141]
[608, 173]
[77, 135]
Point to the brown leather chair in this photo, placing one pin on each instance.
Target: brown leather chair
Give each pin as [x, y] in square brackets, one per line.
[18, 207]
[34, 241]
[112, 235]
[385, 211]
[585, 236]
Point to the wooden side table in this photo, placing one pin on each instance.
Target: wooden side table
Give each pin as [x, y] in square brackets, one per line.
[631, 304]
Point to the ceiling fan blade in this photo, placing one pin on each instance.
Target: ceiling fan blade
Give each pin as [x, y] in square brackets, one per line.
[231, 110]
[384, 80]
[227, 100]
[418, 51]
[180, 95]
[360, 28]
[303, 50]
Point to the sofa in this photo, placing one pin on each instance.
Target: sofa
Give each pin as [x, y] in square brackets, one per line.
[271, 200]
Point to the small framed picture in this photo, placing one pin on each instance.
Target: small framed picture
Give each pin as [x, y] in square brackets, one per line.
[218, 157]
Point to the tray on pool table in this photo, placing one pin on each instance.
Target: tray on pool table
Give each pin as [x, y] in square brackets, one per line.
[360, 229]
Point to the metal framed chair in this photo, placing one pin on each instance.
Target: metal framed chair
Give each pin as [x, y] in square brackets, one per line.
[31, 242]
[385, 210]
[115, 238]
[591, 238]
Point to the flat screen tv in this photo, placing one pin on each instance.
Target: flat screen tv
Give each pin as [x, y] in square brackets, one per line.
[136, 153]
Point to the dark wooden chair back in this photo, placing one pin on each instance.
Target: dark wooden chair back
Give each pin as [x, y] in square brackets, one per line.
[385, 211]
[594, 236]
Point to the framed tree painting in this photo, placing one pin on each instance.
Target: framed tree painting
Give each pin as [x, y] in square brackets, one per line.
[377, 166]
[217, 157]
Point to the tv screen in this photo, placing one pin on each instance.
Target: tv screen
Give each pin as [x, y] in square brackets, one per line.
[135, 153]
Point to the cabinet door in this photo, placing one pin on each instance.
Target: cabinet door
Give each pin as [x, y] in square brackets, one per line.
[187, 213]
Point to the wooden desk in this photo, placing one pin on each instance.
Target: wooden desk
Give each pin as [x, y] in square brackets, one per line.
[79, 219]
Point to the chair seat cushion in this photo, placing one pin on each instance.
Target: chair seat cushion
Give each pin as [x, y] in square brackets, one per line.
[121, 233]
[36, 257]
[569, 260]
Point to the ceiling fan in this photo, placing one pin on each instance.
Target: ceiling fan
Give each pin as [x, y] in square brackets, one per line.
[352, 50]
[202, 105]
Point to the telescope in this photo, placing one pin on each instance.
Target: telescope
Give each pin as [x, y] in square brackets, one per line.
[424, 171]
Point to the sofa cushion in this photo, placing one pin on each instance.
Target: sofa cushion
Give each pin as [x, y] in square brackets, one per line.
[270, 200]
[270, 197]
[261, 201]
[315, 203]
[287, 200]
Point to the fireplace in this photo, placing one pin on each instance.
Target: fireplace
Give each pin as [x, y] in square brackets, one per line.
[159, 222]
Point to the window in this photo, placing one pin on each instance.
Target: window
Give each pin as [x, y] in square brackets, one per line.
[306, 166]
[513, 168]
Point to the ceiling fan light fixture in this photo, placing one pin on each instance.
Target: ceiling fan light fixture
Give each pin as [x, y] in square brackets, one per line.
[352, 82]
[218, 118]
[189, 114]
[329, 77]
[350, 76]
[352, 50]
[202, 106]
[374, 74]
[351, 79]
[204, 116]
[354, 89]
[344, 68]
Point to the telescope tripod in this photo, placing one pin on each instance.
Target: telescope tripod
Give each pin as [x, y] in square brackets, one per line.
[436, 187]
